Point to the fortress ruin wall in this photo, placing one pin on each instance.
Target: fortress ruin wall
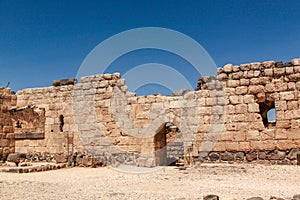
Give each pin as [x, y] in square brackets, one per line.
[224, 119]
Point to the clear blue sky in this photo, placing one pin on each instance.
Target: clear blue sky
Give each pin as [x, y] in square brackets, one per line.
[48, 39]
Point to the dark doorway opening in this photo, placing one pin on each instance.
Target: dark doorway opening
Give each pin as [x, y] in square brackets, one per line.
[168, 145]
[160, 142]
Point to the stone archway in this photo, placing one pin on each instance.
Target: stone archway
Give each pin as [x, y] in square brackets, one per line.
[160, 142]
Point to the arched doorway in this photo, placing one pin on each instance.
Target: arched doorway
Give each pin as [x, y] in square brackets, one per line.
[168, 145]
[160, 142]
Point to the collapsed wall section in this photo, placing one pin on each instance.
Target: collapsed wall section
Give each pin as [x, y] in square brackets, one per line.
[53, 118]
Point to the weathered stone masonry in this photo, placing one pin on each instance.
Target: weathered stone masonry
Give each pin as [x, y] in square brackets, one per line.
[7, 143]
[225, 119]
[250, 91]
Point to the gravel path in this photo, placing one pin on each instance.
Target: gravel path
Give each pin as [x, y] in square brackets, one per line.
[234, 181]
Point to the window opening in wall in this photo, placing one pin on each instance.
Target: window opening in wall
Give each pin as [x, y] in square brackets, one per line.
[61, 120]
[271, 115]
[271, 118]
[268, 113]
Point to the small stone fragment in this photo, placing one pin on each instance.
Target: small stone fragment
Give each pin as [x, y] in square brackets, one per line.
[255, 198]
[296, 197]
[211, 197]
[293, 154]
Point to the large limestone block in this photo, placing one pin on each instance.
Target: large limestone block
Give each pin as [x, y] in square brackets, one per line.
[236, 117]
[293, 105]
[296, 61]
[262, 145]
[280, 105]
[287, 95]
[297, 69]
[280, 134]
[175, 104]
[245, 67]
[279, 71]
[280, 86]
[252, 135]
[270, 87]
[286, 124]
[255, 65]
[227, 68]
[219, 146]
[294, 77]
[248, 98]
[236, 75]
[264, 80]
[268, 134]
[253, 107]
[211, 101]
[291, 86]
[249, 74]
[239, 136]
[256, 73]
[102, 84]
[244, 146]
[107, 76]
[222, 76]
[256, 125]
[233, 83]
[285, 144]
[226, 136]
[235, 100]
[232, 146]
[293, 134]
[205, 110]
[204, 128]
[254, 89]
[231, 127]
[235, 68]
[217, 110]
[241, 90]
[295, 124]
[289, 70]
[244, 82]
[201, 102]
[268, 64]
[230, 109]
[288, 114]
[241, 108]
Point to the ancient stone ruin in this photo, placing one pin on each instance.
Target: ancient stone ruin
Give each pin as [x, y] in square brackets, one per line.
[99, 122]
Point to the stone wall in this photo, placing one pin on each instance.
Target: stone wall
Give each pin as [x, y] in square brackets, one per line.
[55, 106]
[225, 119]
[250, 91]
[7, 143]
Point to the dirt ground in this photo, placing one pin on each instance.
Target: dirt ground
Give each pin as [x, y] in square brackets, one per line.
[229, 181]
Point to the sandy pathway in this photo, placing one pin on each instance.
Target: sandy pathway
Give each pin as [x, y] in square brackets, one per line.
[228, 181]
